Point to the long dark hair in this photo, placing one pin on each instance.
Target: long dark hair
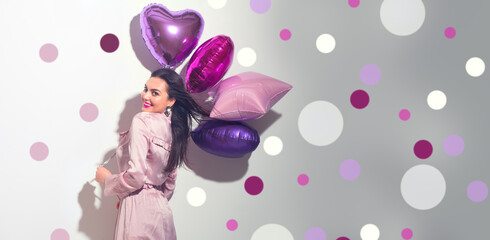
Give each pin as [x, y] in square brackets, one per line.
[184, 110]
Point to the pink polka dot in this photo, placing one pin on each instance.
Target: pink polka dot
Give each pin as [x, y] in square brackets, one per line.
[359, 99]
[354, 3]
[285, 34]
[254, 185]
[89, 112]
[303, 179]
[422, 149]
[450, 32]
[407, 233]
[477, 191]
[404, 114]
[232, 224]
[350, 170]
[343, 238]
[48, 52]
[109, 42]
[60, 234]
[39, 151]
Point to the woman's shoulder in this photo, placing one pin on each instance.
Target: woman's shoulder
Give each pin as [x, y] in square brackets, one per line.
[150, 118]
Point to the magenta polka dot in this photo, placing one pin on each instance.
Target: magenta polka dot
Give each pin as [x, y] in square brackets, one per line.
[359, 99]
[254, 185]
[303, 179]
[109, 42]
[453, 145]
[407, 233]
[60, 234]
[343, 238]
[285, 34]
[315, 233]
[48, 52]
[477, 191]
[422, 149]
[370, 74]
[450, 32]
[232, 224]
[89, 112]
[350, 169]
[354, 3]
[260, 6]
[404, 114]
[39, 151]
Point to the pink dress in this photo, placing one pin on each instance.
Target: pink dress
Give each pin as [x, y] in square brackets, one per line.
[142, 186]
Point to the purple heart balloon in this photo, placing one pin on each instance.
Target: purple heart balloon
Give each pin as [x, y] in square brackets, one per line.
[170, 36]
[209, 63]
[226, 138]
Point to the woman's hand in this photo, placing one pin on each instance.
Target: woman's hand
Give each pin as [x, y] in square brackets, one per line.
[101, 174]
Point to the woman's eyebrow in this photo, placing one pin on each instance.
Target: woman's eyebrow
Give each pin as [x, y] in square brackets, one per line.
[154, 89]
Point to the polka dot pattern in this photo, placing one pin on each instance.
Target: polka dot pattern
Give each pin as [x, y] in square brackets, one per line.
[273, 145]
[354, 3]
[477, 191]
[423, 149]
[404, 114]
[254, 185]
[370, 232]
[272, 231]
[232, 225]
[475, 66]
[48, 52]
[437, 100]
[359, 99]
[350, 169]
[453, 145]
[407, 233]
[196, 196]
[246, 57]
[60, 234]
[39, 151]
[402, 17]
[423, 187]
[325, 43]
[109, 43]
[450, 32]
[303, 179]
[315, 233]
[217, 4]
[89, 112]
[320, 112]
[370, 74]
[260, 6]
[285, 34]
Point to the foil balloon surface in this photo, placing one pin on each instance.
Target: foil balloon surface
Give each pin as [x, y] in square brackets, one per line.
[170, 36]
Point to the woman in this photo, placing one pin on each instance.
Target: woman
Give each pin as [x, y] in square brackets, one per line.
[149, 154]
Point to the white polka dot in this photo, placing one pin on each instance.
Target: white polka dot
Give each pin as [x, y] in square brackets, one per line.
[246, 57]
[325, 43]
[217, 4]
[273, 145]
[272, 232]
[196, 196]
[423, 187]
[436, 100]
[369, 232]
[402, 17]
[320, 123]
[475, 66]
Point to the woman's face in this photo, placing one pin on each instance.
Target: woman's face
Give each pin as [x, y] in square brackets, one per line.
[155, 96]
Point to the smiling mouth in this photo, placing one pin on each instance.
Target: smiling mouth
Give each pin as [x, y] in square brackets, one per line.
[146, 104]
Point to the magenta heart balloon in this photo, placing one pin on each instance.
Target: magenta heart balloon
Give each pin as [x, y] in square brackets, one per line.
[170, 36]
[209, 63]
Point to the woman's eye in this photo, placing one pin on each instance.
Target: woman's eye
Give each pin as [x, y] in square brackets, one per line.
[155, 93]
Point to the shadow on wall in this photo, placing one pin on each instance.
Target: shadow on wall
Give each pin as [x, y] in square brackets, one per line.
[98, 223]
[139, 46]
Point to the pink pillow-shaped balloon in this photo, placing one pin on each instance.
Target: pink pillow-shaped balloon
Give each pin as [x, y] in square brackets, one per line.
[247, 96]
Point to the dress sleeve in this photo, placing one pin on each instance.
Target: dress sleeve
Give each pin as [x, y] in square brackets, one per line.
[169, 184]
[134, 177]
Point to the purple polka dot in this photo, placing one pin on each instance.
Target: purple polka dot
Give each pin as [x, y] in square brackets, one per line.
[285, 34]
[370, 74]
[39, 151]
[453, 145]
[450, 32]
[303, 179]
[407, 233]
[60, 234]
[422, 149]
[48, 52]
[350, 169]
[477, 191]
[232, 224]
[359, 99]
[254, 185]
[404, 114]
[354, 3]
[343, 238]
[109, 43]
[315, 233]
[89, 112]
[260, 6]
